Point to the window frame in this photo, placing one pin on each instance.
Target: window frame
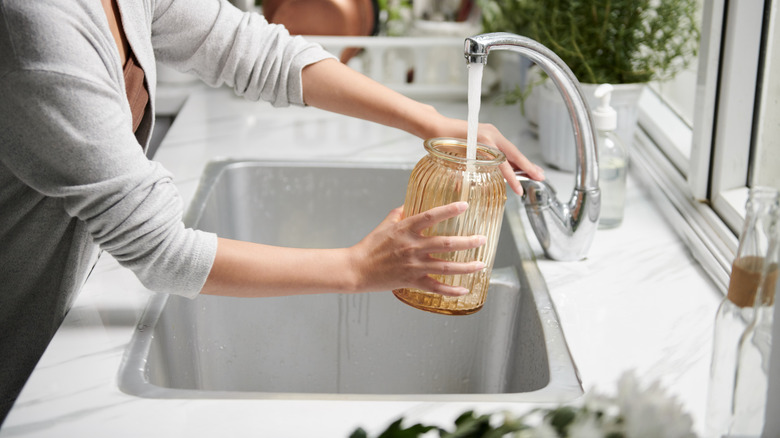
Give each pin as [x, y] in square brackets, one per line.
[702, 172]
[737, 99]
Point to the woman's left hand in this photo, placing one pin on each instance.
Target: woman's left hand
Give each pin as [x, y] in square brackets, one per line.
[332, 86]
[489, 135]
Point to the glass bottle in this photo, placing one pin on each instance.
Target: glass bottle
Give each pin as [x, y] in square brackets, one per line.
[736, 310]
[613, 160]
[755, 346]
[445, 176]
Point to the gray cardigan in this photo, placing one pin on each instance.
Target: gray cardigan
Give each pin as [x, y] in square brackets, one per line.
[74, 177]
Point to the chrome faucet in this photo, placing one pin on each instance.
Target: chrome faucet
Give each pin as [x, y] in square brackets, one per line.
[565, 231]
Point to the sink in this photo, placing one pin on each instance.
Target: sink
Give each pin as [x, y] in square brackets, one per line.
[341, 346]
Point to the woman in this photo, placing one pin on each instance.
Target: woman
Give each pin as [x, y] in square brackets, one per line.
[77, 86]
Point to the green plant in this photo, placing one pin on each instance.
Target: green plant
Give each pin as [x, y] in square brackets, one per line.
[395, 16]
[636, 411]
[614, 41]
[467, 425]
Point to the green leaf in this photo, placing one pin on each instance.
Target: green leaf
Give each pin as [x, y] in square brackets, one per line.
[396, 430]
[561, 418]
[359, 433]
[470, 426]
[615, 41]
[413, 431]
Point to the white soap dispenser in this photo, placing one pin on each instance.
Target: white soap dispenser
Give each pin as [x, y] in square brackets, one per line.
[613, 160]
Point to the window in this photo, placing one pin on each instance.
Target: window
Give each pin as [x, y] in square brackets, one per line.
[714, 131]
[765, 165]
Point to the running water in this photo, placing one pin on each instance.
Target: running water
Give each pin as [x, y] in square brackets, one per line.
[474, 100]
[474, 96]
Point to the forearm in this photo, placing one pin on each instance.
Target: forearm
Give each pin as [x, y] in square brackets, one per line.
[253, 270]
[395, 254]
[333, 86]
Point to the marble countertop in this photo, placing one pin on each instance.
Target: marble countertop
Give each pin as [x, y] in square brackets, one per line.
[638, 302]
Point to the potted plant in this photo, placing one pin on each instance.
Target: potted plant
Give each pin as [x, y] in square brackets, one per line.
[636, 410]
[626, 43]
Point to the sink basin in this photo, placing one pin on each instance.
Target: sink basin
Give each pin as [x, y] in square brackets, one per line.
[350, 347]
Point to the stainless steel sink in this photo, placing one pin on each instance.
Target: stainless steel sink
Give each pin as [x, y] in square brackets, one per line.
[356, 347]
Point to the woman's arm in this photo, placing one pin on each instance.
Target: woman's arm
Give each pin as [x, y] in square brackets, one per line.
[394, 255]
[332, 86]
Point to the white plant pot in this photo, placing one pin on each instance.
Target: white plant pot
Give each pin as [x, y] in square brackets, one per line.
[556, 134]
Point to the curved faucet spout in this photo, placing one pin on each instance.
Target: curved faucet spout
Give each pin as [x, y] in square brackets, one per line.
[565, 231]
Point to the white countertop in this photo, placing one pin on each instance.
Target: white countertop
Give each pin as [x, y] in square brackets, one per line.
[639, 302]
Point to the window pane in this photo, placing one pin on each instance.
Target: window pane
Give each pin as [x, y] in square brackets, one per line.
[766, 157]
[671, 109]
[680, 93]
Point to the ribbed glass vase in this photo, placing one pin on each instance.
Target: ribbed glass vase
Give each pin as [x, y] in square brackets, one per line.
[444, 176]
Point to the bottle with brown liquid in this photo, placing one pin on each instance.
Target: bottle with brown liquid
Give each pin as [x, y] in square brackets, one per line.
[443, 176]
[736, 311]
[755, 346]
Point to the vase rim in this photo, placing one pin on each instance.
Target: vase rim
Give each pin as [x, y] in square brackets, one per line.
[493, 156]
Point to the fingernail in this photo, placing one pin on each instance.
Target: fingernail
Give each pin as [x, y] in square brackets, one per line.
[481, 240]
[462, 205]
[480, 265]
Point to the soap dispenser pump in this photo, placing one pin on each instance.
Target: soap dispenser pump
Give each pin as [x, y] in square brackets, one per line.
[613, 160]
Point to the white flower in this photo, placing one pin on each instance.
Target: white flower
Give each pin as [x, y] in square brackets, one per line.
[650, 412]
[597, 402]
[544, 430]
[585, 427]
[635, 412]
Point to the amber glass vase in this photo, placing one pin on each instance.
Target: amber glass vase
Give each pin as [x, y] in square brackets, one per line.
[445, 176]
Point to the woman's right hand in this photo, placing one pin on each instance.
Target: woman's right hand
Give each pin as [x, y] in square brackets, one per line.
[396, 254]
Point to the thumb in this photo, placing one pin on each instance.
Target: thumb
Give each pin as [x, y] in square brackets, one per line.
[395, 215]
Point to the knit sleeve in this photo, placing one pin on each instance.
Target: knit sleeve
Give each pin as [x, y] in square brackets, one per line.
[67, 137]
[222, 45]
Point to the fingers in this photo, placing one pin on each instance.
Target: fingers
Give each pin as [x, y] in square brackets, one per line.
[513, 156]
[426, 219]
[453, 243]
[509, 176]
[431, 285]
[420, 265]
[394, 216]
[441, 267]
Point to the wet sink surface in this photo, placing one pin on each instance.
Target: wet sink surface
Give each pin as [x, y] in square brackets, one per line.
[334, 346]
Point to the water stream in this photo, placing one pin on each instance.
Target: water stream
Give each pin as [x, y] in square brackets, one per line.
[474, 100]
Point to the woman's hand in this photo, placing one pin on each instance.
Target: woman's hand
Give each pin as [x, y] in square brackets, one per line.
[488, 135]
[396, 254]
[332, 86]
